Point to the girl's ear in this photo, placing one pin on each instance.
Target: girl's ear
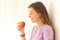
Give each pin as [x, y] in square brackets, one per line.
[39, 14]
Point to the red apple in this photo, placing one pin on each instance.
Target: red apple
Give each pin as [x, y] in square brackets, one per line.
[22, 24]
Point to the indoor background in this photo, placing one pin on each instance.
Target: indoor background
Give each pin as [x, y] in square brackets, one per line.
[14, 11]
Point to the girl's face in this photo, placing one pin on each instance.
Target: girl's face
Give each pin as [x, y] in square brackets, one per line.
[33, 15]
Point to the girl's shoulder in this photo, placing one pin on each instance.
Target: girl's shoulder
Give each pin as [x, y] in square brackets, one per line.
[47, 27]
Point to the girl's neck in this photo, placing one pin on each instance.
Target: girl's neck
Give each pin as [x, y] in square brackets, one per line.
[39, 24]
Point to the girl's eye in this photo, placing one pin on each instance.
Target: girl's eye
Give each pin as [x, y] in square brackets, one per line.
[31, 13]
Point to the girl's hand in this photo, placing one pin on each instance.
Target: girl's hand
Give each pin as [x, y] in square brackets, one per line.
[21, 26]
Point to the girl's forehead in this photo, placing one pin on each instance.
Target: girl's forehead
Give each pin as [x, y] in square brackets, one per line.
[31, 9]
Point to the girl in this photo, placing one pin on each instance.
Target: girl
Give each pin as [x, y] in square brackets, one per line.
[44, 29]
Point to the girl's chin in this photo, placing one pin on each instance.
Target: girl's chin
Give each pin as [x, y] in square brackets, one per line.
[33, 21]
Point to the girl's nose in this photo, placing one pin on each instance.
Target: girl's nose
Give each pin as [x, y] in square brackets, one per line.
[29, 16]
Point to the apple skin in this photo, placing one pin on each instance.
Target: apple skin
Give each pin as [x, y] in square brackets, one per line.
[22, 24]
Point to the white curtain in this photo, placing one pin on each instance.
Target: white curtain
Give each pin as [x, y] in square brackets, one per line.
[8, 20]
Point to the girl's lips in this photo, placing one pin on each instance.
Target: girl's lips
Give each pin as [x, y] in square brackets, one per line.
[31, 18]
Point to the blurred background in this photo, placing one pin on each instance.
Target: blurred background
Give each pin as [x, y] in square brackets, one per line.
[14, 11]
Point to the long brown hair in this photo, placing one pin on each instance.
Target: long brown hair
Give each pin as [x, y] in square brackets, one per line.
[40, 8]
